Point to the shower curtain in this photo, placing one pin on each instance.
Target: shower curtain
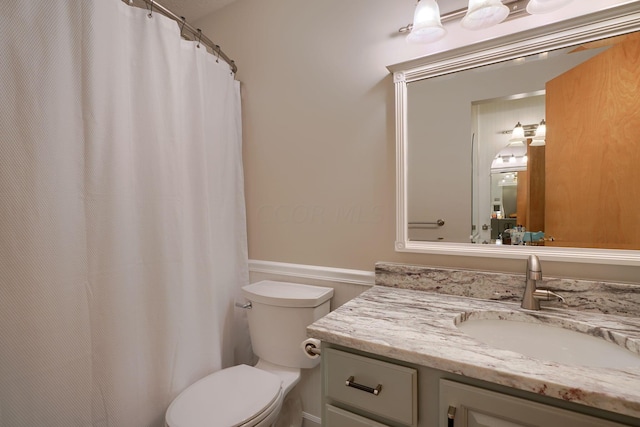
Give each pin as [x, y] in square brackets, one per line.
[122, 218]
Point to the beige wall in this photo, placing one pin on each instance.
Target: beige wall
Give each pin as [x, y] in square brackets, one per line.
[318, 123]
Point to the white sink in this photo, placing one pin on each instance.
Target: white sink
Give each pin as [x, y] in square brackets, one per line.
[545, 341]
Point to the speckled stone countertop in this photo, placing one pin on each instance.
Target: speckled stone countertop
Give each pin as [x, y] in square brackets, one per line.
[418, 326]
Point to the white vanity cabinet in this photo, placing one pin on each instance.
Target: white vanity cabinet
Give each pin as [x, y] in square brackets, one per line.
[477, 407]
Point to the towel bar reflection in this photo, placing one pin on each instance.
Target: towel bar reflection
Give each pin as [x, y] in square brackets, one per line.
[427, 224]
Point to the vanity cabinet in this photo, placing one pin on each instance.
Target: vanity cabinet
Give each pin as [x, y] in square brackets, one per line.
[477, 407]
[336, 417]
[366, 390]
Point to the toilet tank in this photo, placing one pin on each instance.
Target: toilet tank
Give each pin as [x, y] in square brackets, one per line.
[279, 315]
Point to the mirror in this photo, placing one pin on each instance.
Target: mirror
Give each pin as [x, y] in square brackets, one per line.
[454, 112]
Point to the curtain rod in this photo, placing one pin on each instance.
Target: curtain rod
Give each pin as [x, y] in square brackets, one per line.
[196, 32]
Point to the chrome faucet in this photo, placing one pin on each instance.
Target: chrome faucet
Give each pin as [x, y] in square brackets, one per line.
[532, 295]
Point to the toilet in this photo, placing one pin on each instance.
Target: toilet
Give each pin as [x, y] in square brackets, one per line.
[252, 396]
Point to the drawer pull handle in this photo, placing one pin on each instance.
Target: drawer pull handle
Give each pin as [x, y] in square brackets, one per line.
[375, 391]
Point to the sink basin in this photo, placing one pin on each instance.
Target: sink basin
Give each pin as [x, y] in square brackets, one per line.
[540, 338]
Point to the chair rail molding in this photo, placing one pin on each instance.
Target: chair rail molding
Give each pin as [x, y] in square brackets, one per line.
[330, 274]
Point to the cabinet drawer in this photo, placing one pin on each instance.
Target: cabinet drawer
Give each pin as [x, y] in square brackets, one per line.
[352, 379]
[337, 417]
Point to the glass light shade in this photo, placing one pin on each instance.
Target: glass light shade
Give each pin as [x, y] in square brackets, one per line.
[484, 14]
[541, 134]
[517, 136]
[427, 26]
[545, 6]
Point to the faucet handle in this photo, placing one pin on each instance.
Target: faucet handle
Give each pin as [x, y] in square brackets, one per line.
[547, 295]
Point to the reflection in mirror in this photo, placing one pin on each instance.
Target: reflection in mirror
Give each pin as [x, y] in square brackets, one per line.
[578, 186]
[516, 170]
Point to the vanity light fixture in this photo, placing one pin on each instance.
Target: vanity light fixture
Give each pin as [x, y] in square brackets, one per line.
[517, 135]
[511, 158]
[528, 129]
[540, 135]
[484, 14]
[427, 21]
[508, 180]
[427, 26]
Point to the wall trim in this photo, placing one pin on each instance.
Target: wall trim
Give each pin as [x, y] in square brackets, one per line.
[330, 274]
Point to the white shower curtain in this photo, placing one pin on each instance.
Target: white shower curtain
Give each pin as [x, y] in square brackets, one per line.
[122, 221]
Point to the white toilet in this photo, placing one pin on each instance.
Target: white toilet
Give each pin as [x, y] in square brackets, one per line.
[246, 396]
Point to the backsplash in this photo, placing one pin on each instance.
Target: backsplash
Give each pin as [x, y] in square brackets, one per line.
[604, 297]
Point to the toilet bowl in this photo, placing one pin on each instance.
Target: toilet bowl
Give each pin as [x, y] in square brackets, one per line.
[237, 396]
[252, 396]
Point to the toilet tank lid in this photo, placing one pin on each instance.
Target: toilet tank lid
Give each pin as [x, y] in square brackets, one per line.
[284, 294]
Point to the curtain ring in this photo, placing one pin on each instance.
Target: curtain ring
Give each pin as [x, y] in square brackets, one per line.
[218, 54]
[199, 37]
[150, 15]
[184, 21]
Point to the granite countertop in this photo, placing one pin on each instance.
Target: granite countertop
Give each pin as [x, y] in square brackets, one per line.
[419, 327]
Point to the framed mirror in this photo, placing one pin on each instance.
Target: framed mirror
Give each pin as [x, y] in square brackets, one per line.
[455, 112]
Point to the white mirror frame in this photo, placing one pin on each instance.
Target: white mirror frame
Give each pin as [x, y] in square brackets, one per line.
[610, 22]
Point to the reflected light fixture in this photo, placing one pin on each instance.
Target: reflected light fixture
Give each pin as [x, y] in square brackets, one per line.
[508, 179]
[545, 6]
[517, 135]
[427, 26]
[540, 135]
[511, 158]
[484, 14]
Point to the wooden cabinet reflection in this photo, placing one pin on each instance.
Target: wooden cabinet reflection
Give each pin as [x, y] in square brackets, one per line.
[531, 190]
[594, 148]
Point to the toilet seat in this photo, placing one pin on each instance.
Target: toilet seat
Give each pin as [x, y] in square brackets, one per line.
[240, 396]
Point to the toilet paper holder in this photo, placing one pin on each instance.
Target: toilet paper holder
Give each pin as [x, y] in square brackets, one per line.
[311, 349]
